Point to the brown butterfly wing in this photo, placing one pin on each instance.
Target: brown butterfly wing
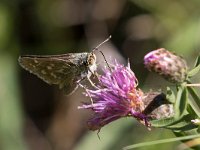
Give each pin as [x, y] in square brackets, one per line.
[63, 70]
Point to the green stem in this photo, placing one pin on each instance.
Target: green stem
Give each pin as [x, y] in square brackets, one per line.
[193, 85]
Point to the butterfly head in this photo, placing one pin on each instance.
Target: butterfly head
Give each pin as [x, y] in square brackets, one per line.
[91, 62]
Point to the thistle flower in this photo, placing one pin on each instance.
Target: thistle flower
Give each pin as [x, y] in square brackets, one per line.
[172, 67]
[117, 97]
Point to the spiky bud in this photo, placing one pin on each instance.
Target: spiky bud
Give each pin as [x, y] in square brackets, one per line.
[167, 64]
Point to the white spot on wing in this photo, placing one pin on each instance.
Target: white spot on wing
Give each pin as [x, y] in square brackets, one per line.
[52, 65]
[49, 67]
[53, 75]
[35, 61]
[32, 65]
[43, 72]
[61, 70]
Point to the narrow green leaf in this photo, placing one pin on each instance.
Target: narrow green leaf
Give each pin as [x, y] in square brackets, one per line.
[170, 95]
[197, 62]
[181, 102]
[195, 102]
[190, 109]
[175, 124]
[161, 141]
[198, 130]
[184, 124]
[162, 122]
[178, 102]
[194, 71]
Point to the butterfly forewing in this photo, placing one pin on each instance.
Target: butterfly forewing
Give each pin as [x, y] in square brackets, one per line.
[63, 70]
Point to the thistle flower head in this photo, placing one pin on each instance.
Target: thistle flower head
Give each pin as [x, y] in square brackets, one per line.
[116, 97]
[167, 64]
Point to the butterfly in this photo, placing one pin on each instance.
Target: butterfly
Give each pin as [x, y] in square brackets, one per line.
[65, 70]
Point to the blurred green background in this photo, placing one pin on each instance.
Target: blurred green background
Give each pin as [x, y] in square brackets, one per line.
[36, 116]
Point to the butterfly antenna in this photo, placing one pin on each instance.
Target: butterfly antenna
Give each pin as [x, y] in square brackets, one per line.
[96, 48]
[106, 61]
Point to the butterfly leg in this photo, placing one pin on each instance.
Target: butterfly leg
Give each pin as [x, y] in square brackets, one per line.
[92, 83]
[86, 92]
[94, 73]
[98, 78]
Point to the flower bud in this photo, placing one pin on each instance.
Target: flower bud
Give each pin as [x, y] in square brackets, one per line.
[167, 64]
[157, 106]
